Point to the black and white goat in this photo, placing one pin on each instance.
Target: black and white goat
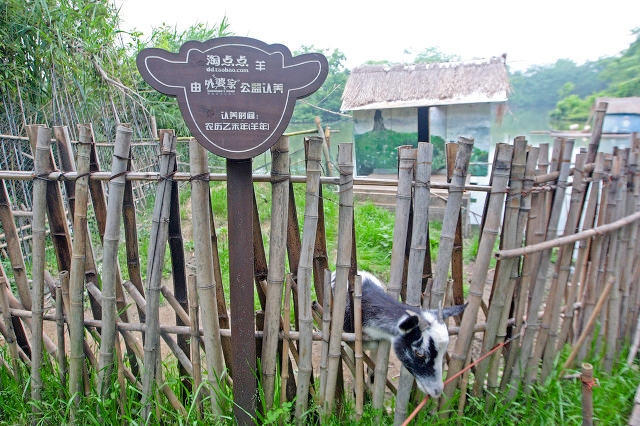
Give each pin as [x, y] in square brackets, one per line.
[419, 337]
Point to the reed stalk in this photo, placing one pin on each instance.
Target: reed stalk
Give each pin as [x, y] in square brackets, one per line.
[76, 273]
[451, 213]
[500, 178]
[343, 263]
[276, 270]
[195, 343]
[504, 282]
[205, 278]
[110, 257]
[157, 246]
[305, 269]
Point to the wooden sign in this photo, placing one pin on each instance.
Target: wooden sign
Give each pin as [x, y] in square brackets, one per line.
[236, 94]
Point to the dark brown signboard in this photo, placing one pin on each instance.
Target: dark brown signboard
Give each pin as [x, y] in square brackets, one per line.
[236, 94]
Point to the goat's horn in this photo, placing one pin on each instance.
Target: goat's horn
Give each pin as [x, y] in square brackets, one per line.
[440, 314]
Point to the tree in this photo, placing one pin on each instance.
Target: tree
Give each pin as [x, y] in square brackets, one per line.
[326, 101]
[624, 72]
[432, 55]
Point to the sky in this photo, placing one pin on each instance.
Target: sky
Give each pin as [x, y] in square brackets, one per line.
[530, 33]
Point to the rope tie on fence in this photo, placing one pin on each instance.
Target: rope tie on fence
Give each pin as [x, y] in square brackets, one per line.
[206, 286]
[202, 176]
[277, 177]
[81, 175]
[168, 177]
[590, 382]
[117, 175]
[61, 176]
[461, 372]
[423, 183]
[42, 176]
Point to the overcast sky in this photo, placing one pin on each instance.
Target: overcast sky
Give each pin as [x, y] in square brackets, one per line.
[530, 33]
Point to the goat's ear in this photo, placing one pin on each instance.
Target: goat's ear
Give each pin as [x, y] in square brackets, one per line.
[409, 323]
[451, 311]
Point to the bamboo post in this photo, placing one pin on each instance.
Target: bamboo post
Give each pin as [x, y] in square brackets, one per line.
[286, 312]
[195, 343]
[406, 158]
[587, 395]
[533, 325]
[359, 364]
[157, 247]
[500, 178]
[419, 244]
[326, 328]
[631, 234]
[37, 267]
[62, 356]
[451, 213]
[110, 256]
[504, 282]
[8, 323]
[305, 269]
[343, 262]
[276, 270]
[76, 273]
[551, 318]
[634, 420]
[205, 278]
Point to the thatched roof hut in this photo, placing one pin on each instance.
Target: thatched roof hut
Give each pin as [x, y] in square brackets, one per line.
[426, 84]
[629, 105]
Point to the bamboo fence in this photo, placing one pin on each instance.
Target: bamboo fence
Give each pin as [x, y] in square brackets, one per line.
[563, 234]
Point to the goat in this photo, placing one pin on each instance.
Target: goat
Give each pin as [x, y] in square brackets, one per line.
[419, 337]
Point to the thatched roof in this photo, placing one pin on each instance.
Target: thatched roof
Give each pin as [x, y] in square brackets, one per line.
[621, 105]
[426, 84]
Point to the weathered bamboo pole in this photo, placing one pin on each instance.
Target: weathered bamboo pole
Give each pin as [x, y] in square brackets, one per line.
[8, 323]
[587, 394]
[343, 263]
[62, 356]
[452, 210]
[358, 354]
[286, 312]
[37, 267]
[205, 278]
[596, 133]
[406, 158]
[532, 353]
[500, 172]
[419, 244]
[110, 257]
[631, 234]
[276, 270]
[503, 285]
[195, 343]
[305, 269]
[157, 246]
[551, 320]
[76, 273]
[326, 328]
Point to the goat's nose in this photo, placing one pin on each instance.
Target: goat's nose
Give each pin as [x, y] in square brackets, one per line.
[437, 390]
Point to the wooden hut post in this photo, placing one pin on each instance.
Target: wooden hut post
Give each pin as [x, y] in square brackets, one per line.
[343, 263]
[205, 278]
[277, 256]
[110, 256]
[500, 178]
[157, 246]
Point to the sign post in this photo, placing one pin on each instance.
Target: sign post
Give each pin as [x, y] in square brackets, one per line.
[236, 95]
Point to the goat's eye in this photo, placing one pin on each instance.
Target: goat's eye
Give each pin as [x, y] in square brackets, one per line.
[419, 352]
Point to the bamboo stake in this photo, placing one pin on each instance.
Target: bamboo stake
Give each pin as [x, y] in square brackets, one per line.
[276, 270]
[110, 257]
[194, 344]
[343, 263]
[359, 364]
[534, 354]
[452, 210]
[326, 328]
[631, 234]
[501, 172]
[406, 156]
[503, 284]
[157, 246]
[37, 268]
[62, 357]
[76, 273]
[305, 268]
[419, 244]
[205, 278]
[587, 395]
[284, 375]
[8, 323]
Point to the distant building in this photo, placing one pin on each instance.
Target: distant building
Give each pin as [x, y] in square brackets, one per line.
[396, 105]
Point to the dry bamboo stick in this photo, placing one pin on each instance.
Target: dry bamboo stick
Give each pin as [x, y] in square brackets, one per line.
[276, 269]
[157, 246]
[326, 328]
[406, 158]
[343, 263]
[587, 395]
[76, 273]
[205, 278]
[8, 323]
[110, 257]
[37, 268]
[359, 366]
[500, 178]
[284, 375]
[551, 319]
[631, 234]
[305, 269]
[503, 284]
[419, 244]
[535, 353]
[452, 210]
[62, 358]
[194, 344]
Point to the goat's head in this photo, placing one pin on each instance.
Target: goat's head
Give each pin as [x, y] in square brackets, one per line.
[422, 344]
